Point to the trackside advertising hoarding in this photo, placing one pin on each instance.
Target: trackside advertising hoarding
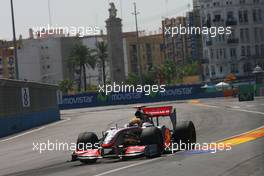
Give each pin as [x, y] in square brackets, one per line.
[182, 92]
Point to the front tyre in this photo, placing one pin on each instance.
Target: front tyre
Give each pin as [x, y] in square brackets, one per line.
[152, 138]
[85, 141]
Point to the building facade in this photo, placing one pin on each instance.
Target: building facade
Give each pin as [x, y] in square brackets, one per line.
[175, 46]
[183, 45]
[7, 60]
[194, 41]
[151, 52]
[45, 59]
[243, 49]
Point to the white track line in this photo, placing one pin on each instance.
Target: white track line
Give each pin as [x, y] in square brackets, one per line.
[126, 167]
[229, 108]
[35, 130]
[243, 110]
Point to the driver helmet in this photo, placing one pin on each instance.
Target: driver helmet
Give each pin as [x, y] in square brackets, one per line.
[135, 121]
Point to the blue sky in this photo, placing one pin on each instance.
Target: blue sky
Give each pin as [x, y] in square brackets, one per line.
[34, 13]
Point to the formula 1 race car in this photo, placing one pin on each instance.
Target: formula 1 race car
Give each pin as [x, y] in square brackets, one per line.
[146, 138]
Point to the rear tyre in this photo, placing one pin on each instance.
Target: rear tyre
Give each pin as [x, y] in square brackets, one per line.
[151, 136]
[87, 140]
[185, 134]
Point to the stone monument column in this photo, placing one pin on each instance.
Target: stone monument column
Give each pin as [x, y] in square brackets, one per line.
[115, 46]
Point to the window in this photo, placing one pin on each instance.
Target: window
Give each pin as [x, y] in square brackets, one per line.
[257, 50]
[149, 54]
[224, 53]
[213, 70]
[256, 1]
[221, 53]
[260, 15]
[230, 16]
[217, 18]
[212, 53]
[254, 15]
[247, 35]
[242, 35]
[240, 15]
[256, 34]
[234, 68]
[262, 50]
[247, 68]
[228, 2]
[233, 52]
[242, 1]
[248, 51]
[243, 16]
[243, 51]
[261, 32]
[217, 53]
[207, 71]
[257, 15]
[221, 69]
[134, 58]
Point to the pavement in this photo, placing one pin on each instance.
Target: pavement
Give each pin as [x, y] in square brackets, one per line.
[216, 120]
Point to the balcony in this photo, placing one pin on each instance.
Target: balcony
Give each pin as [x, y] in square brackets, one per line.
[231, 22]
[232, 40]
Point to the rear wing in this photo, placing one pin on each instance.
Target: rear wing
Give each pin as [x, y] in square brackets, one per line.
[163, 111]
[158, 111]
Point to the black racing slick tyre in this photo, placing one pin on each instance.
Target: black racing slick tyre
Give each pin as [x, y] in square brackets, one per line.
[150, 136]
[185, 134]
[87, 140]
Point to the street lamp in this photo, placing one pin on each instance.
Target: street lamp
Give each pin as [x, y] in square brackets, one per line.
[14, 39]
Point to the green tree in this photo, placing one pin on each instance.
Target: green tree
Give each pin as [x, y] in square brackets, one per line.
[82, 57]
[168, 70]
[150, 78]
[133, 79]
[190, 69]
[102, 55]
[66, 85]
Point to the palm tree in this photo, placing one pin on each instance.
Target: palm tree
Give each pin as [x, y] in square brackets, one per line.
[101, 55]
[66, 85]
[82, 57]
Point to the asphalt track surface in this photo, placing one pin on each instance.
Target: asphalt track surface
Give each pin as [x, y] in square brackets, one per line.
[215, 119]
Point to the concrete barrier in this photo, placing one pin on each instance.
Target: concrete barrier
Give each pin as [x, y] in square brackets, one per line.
[24, 105]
